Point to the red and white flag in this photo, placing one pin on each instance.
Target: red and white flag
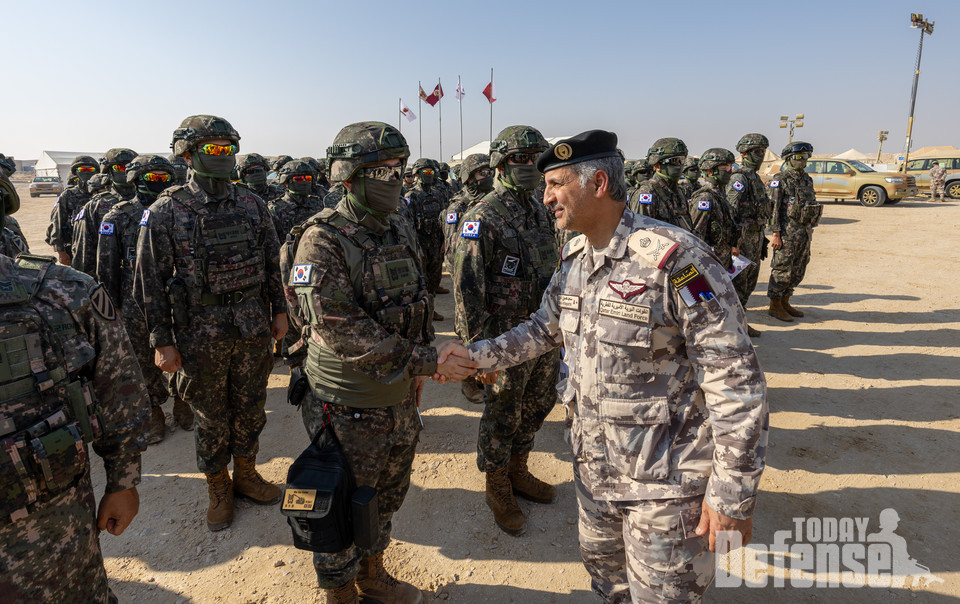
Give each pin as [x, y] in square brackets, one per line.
[407, 112]
[423, 95]
[434, 97]
[459, 92]
[490, 92]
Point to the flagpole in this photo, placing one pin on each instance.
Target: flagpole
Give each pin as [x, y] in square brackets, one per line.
[440, 114]
[399, 115]
[420, 109]
[460, 100]
[491, 105]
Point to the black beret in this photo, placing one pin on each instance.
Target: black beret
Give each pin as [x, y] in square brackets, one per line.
[592, 144]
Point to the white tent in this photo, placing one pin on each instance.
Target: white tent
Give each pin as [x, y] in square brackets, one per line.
[57, 163]
[853, 154]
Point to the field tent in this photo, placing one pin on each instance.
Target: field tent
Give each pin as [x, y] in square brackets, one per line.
[853, 154]
[935, 151]
[57, 163]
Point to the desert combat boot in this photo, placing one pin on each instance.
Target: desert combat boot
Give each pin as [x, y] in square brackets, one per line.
[377, 585]
[506, 513]
[248, 483]
[777, 311]
[220, 509]
[527, 485]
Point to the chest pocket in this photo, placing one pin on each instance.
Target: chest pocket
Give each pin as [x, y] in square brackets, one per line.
[232, 259]
[624, 352]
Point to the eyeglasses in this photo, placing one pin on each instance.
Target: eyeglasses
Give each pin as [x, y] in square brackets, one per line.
[800, 156]
[386, 173]
[427, 172]
[301, 178]
[673, 161]
[484, 173]
[725, 167]
[215, 149]
[86, 169]
[119, 167]
[523, 158]
[156, 177]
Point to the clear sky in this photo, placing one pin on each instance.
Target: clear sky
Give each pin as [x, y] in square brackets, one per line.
[87, 76]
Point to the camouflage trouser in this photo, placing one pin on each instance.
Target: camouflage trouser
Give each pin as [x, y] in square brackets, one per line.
[379, 446]
[225, 383]
[751, 246]
[53, 555]
[153, 377]
[936, 189]
[789, 262]
[432, 247]
[514, 410]
[643, 551]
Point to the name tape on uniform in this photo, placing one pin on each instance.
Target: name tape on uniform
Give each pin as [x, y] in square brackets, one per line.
[625, 310]
[569, 302]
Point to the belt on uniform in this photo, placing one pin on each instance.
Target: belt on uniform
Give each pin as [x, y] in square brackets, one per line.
[229, 298]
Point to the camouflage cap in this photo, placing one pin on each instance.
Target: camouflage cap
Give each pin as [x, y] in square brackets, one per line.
[665, 148]
[714, 157]
[296, 167]
[11, 201]
[796, 147]
[364, 144]
[280, 162]
[472, 163]
[142, 164]
[83, 160]
[245, 162]
[752, 141]
[198, 128]
[691, 162]
[117, 155]
[515, 139]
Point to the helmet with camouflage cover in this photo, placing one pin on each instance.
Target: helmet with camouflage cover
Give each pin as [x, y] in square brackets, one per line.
[7, 165]
[516, 139]
[198, 128]
[98, 182]
[714, 157]
[424, 163]
[142, 164]
[83, 160]
[313, 163]
[690, 162]
[444, 167]
[752, 141]
[116, 156]
[11, 201]
[245, 162]
[665, 148]
[628, 166]
[296, 167]
[363, 144]
[472, 163]
[280, 162]
[180, 167]
[796, 147]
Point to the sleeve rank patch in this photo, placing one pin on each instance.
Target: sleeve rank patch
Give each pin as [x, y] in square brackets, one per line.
[106, 228]
[470, 229]
[102, 304]
[301, 273]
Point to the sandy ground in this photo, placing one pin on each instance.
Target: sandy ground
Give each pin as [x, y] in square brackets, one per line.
[864, 416]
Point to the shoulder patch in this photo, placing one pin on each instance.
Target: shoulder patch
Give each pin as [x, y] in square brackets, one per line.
[106, 228]
[774, 184]
[145, 217]
[645, 198]
[451, 218]
[102, 304]
[655, 248]
[79, 215]
[703, 204]
[301, 273]
[573, 246]
[691, 285]
[738, 185]
[470, 229]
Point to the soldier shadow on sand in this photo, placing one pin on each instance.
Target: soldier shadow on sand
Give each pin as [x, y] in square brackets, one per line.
[833, 220]
[128, 591]
[918, 403]
[922, 338]
[776, 356]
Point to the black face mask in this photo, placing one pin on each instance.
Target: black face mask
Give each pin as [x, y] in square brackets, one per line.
[428, 180]
[484, 185]
[84, 178]
[525, 177]
[152, 189]
[217, 167]
[300, 188]
[382, 196]
[255, 178]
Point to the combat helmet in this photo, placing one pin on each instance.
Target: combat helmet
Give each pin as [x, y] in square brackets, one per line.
[142, 164]
[180, 167]
[11, 201]
[665, 148]
[752, 141]
[444, 167]
[116, 156]
[313, 164]
[424, 163]
[516, 139]
[98, 182]
[691, 162]
[280, 162]
[296, 167]
[363, 144]
[472, 163]
[796, 147]
[83, 160]
[714, 157]
[250, 160]
[7, 165]
[198, 128]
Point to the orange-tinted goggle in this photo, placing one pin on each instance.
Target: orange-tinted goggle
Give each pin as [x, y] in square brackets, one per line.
[301, 178]
[86, 169]
[119, 167]
[214, 149]
[156, 177]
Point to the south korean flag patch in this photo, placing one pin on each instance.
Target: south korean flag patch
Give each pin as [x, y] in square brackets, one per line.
[79, 215]
[774, 184]
[301, 273]
[703, 204]
[645, 198]
[738, 185]
[451, 218]
[510, 266]
[106, 228]
[470, 229]
[145, 217]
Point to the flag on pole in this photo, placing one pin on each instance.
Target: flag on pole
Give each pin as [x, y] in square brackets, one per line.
[407, 112]
[490, 91]
[434, 97]
[459, 92]
[423, 95]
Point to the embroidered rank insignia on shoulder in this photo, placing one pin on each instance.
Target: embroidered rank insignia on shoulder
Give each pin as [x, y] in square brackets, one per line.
[510, 266]
[774, 184]
[145, 217]
[79, 215]
[451, 218]
[470, 229]
[106, 228]
[738, 185]
[645, 198]
[627, 288]
[691, 285]
[703, 204]
[301, 273]
[102, 304]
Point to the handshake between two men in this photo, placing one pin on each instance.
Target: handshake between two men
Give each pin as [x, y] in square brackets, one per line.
[454, 364]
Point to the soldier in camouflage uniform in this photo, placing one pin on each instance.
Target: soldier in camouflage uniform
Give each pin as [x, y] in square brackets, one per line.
[98, 183]
[669, 412]
[318, 188]
[748, 197]
[425, 204]
[690, 182]
[357, 288]
[180, 169]
[503, 260]
[12, 241]
[298, 202]
[794, 214]
[7, 166]
[61, 340]
[937, 175]
[60, 231]
[279, 162]
[253, 169]
[208, 280]
[86, 222]
[659, 196]
[713, 220]
[116, 257]
[408, 180]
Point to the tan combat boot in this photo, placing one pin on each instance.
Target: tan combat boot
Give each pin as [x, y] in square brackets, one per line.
[345, 594]
[777, 311]
[220, 510]
[158, 427]
[753, 333]
[182, 413]
[790, 310]
[526, 484]
[506, 513]
[248, 483]
[377, 585]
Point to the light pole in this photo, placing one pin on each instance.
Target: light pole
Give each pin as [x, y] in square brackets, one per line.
[926, 27]
[882, 136]
[796, 122]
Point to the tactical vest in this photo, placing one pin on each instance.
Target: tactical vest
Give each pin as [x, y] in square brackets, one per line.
[426, 211]
[219, 257]
[46, 415]
[802, 204]
[756, 211]
[389, 285]
[132, 212]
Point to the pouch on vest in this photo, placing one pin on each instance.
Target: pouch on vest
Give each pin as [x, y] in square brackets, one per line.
[299, 384]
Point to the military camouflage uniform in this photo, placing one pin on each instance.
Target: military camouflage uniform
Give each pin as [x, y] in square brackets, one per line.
[116, 258]
[64, 337]
[748, 199]
[937, 175]
[687, 188]
[425, 206]
[660, 365]
[795, 212]
[218, 261]
[333, 197]
[267, 192]
[86, 228]
[713, 221]
[499, 276]
[60, 232]
[661, 199]
[291, 210]
[12, 244]
[359, 291]
[453, 218]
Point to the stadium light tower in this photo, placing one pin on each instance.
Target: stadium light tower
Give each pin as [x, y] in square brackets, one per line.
[926, 27]
[796, 122]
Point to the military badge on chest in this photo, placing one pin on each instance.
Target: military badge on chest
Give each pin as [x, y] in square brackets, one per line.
[626, 289]
[510, 266]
